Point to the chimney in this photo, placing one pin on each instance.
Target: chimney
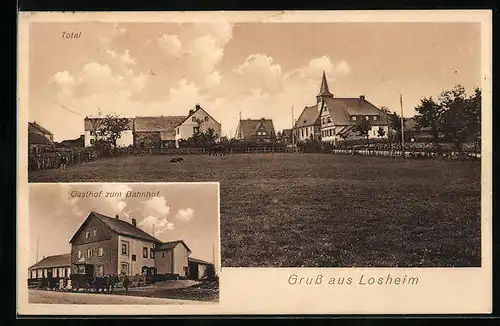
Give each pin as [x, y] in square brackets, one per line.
[117, 217]
[191, 112]
[197, 106]
[362, 98]
[134, 222]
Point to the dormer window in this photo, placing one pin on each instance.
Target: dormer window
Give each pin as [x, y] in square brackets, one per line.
[87, 234]
[94, 233]
[354, 118]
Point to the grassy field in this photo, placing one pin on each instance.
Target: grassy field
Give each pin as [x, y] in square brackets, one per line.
[289, 210]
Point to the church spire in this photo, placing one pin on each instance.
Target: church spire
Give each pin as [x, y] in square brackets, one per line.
[324, 91]
[324, 87]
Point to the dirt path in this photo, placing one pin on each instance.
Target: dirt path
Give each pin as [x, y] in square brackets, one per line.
[51, 297]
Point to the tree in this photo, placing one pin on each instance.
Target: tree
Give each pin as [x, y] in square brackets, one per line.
[363, 127]
[429, 115]
[380, 132]
[111, 128]
[461, 116]
[394, 124]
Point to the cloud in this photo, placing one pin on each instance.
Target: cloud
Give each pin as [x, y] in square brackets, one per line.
[185, 215]
[114, 205]
[160, 225]
[213, 79]
[157, 204]
[124, 58]
[171, 45]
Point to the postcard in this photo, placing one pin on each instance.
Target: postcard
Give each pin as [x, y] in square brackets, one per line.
[352, 150]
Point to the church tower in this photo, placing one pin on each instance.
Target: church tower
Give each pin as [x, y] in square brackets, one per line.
[324, 92]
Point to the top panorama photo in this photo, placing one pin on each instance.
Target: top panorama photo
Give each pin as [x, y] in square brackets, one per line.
[335, 144]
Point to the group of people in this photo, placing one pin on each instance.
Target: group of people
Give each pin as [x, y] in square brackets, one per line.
[99, 284]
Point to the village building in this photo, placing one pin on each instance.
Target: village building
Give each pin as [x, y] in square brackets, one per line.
[308, 125]
[103, 246]
[72, 143]
[39, 138]
[92, 134]
[199, 268]
[198, 120]
[333, 118]
[260, 130]
[172, 258]
[414, 133]
[155, 132]
[51, 266]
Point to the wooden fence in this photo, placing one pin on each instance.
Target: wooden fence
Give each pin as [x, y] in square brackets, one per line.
[53, 160]
[407, 154]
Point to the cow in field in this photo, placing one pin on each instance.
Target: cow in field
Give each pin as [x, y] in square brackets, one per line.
[177, 159]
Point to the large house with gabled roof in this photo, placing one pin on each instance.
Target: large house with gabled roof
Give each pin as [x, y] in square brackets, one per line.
[261, 130]
[333, 118]
[104, 245]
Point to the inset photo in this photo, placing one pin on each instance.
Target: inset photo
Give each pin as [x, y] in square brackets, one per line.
[111, 243]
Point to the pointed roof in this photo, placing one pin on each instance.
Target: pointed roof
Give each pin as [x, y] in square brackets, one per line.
[119, 226]
[324, 91]
[53, 261]
[171, 245]
[309, 117]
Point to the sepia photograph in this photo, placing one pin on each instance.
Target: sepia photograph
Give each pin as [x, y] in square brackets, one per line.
[112, 243]
[335, 144]
[318, 162]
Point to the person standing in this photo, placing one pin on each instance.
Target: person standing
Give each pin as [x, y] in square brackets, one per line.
[126, 283]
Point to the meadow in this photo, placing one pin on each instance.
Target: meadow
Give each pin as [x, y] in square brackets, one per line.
[323, 210]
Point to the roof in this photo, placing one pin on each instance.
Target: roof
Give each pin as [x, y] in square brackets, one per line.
[38, 139]
[171, 245]
[342, 108]
[309, 116]
[324, 91]
[71, 143]
[89, 123]
[197, 108]
[199, 261]
[411, 124]
[248, 127]
[53, 261]
[119, 226]
[39, 128]
[161, 123]
[167, 135]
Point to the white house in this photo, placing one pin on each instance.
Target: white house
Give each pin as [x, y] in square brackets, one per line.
[198, 120]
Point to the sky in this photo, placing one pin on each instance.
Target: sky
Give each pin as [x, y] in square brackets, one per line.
[186, 212]
[258, 69]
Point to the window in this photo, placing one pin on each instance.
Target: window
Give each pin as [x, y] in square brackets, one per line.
[92, 133]
[367, 117]
[375, 118]
[100, 271]
[89, 253]
[94, 233]
[151, 253]
[163, 254]
[101, 252]
[193, 119]
[331, 132]
[79, 254]
[124, 248]
[196, 130]
[329, 120]
[307, 132]
[87, 235]
[302, 132]
[134, 257]
[92, 141]
[263, 133]
[206, 118]
[178, 131]
[124, 269]
[354, 118]
[144, 252]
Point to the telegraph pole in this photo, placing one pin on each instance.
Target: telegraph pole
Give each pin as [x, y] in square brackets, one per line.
[402, 126]
[293, 131]
[37, 248]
